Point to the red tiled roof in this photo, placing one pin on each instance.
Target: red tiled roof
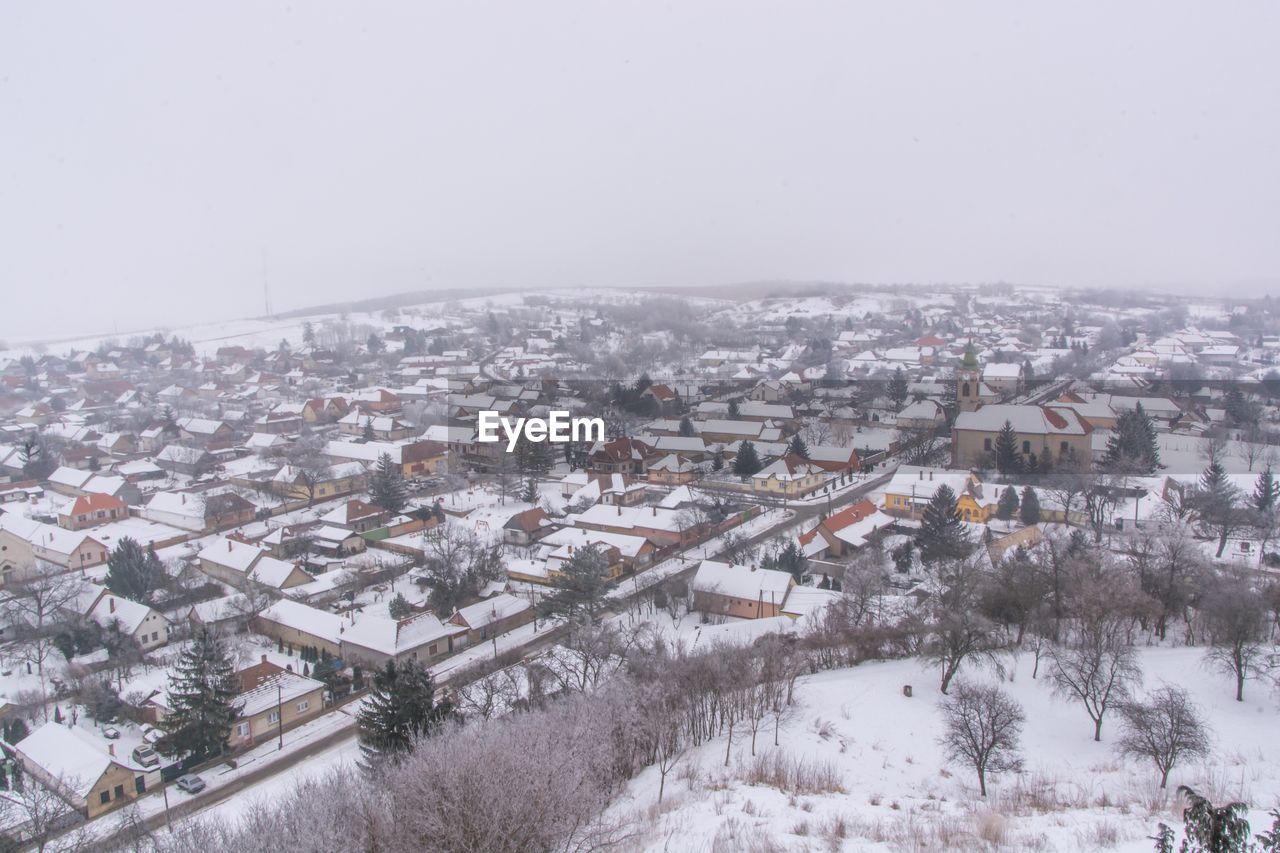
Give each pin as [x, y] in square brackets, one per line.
[93, 502]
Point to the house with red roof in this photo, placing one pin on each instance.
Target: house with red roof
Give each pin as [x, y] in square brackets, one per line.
[91, 510]
[847, 530]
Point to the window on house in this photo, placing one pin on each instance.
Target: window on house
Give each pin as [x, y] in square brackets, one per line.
[1026, 447]
[304, 705]
[986, 444]
[104, 797]
[431, 649]
[273, 717]
[1063, 447]
[119, 792]
[243, 730]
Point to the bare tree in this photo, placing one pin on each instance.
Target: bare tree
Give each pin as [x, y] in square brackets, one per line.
[918, 445]
[1098, 670]
[1165, 728]
[42, 814]
[1167, 564]
[957, 631]
[35, 607]
[983, 726]
[1252, 446]
[1236, 619]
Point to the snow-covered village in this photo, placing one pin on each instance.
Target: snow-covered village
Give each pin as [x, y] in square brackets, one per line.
[979, 568]
[574, 427]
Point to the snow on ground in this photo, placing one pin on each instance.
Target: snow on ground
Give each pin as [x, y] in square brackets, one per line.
[898, 792]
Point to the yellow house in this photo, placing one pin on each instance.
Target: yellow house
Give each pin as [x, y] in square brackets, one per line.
[340, 479]
[72, 763]
[790, 476]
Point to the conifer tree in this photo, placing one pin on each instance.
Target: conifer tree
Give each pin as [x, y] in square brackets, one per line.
[798, 447]
[399, 709]
[1008, 504]
[399, 608]
[202, 698]
[897, 389]
[387, 487]
[530, 493]
[1267, 492]
[1030, 512]
[580, 586]
[1133, 447]
[734, 409]
[686, 427]
[132, 572]
[942, 535]
[747, 462]
[1008, 457]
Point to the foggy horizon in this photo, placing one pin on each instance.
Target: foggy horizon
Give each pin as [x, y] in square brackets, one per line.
[150, 169]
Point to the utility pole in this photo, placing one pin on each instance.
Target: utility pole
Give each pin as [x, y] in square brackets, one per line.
[279, 715]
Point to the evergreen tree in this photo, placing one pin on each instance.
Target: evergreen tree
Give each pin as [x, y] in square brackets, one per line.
[897, 388]
[132, 572]
[580, 586]
[1240, 409]
[797, 447]
[399, 608]
[399, 709]
[1008, 504]
[717, 462]
[387, 487]
[1267, 492]
[544, 458]
[791, 559]
[1030, 513]
[530, 493]
[374, 344]
[1133, 447]
[747, 462]
[686, 427]
[366, 432]
[1028, 374]
[942, 535]
[734, 410]
[308, 333]
[202, 693]
[1008, 456]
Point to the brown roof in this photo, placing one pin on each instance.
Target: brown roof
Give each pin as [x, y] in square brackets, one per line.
[93, 502]
[251, 676]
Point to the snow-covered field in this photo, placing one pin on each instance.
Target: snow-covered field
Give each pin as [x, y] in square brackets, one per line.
[898, 792]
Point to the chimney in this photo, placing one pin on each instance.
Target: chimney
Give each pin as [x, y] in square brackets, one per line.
[228, 546]
[111, 750]
[111, 605]
[264, 658]
[655, 510]
[619, 509]
[922, 474]
[931, 476]
[184, 497]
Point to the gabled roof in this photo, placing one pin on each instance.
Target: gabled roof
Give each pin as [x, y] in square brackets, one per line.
[743, 582]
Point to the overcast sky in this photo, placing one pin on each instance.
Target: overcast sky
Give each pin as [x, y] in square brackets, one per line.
[150, 153]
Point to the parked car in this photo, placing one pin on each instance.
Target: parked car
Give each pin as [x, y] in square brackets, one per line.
[146, 756]
[191, 783]
[111, 733]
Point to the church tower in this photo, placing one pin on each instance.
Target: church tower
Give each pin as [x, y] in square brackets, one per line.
[968, 379]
